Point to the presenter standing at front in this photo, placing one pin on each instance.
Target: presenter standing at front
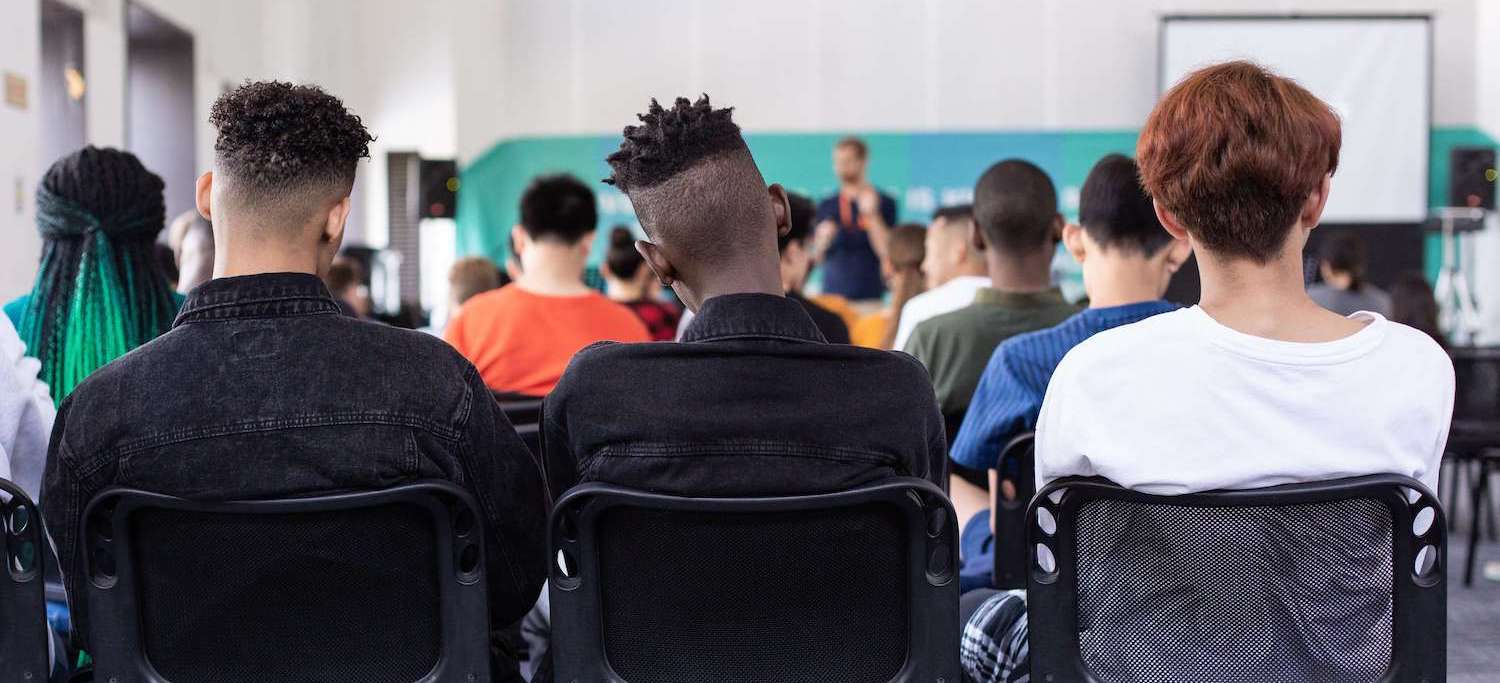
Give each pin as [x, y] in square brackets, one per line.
[853, 225]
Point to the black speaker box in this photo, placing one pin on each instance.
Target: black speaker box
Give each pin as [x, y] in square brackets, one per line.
[1471, 177]
[439, 183]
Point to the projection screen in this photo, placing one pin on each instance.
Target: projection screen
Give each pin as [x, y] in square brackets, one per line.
[1376, 72]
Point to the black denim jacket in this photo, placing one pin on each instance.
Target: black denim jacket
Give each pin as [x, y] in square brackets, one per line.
[262, 389]
[752, 402]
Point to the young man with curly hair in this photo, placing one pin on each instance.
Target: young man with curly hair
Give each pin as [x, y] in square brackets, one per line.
[262, 390]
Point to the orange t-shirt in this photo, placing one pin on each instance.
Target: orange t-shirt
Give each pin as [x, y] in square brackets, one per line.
[870, 330]
[521, 341]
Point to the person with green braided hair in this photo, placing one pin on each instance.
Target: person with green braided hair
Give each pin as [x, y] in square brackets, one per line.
[98, 292]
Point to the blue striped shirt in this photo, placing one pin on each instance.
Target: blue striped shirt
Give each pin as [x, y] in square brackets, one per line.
[1015, 380]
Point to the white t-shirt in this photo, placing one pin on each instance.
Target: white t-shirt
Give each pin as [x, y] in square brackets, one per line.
[1179, 403]
[945, 298]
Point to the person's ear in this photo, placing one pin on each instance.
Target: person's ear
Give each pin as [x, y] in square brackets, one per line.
[1312, 209]
[976, 236]
[205, 193]
[1072, 239]
[338, 216]
[1178, 253]
[781, 208]
[657, 261]
[585, 244]
[1170, 222]
[519, 240]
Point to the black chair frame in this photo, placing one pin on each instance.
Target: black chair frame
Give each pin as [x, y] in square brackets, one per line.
[577, 611]
[115, 638]
[23, 624]
[1009, 516]
[1419, 627]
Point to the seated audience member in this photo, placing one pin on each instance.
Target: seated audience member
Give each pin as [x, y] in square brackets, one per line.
[26, 414]
[467, 277]
[852, 227]
[522, 335]
[263, 390]
[192, 242]
[345, 281]
[753, 391]
[796, 263]
[471, 276]
[1257, 385]
[1127, 261]
[1017, 226]
[1344, 289]
[629, 282]
[99, 292]
[904, 279]
[953, 266]
[1414, 305]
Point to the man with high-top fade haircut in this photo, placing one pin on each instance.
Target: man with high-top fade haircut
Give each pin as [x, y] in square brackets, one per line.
[754, 401]
[263, 390]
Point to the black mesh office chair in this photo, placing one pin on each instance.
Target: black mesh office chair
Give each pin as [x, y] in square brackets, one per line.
[23, 602]
[1333, 581]
[1017, 460]
[856, 586]
[1474, 438]
[378, 587]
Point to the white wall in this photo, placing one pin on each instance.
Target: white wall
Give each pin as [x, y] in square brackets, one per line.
[452, 77]
[20, 54]
[585, 66]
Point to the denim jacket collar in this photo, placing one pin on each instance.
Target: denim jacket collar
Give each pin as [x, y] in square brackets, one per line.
[752, 316]
[265, 295]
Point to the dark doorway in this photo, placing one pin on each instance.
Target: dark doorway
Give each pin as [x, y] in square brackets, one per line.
[159, 116]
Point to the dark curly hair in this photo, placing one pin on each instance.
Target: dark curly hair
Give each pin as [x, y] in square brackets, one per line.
[670, 141]
[276, 137]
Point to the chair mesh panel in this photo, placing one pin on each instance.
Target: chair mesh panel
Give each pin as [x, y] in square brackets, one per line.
[795, 596]
[329, 596]
[1253, 594]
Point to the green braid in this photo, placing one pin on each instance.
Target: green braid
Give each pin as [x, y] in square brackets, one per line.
[98, 293]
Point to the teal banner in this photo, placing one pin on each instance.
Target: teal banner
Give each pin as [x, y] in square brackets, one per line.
[923, 171]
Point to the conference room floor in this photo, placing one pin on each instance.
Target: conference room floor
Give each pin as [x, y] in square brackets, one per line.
[1473, 616]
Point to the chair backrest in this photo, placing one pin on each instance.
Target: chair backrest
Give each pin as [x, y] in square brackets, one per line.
[1341, 580]
[1477, 382]
[522, 412]
[23, 602]
[859, 585]
[378, 586]
[1018, 457]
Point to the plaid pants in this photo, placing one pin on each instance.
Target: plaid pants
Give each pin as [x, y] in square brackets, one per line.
[994, 646]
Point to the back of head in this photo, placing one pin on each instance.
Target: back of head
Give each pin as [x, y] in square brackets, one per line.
[955, 217]
[695, 187]
[1234, 151]
[804, 212]
[1345, 254]
[559, 209]
[343, 275]
[284, 156]
[1115, 210]
[1015, 206]
[622, 261]
[470, 276]
[99, 291]
[1413, 303]
[907, 247]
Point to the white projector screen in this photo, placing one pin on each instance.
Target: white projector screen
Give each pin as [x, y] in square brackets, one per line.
[1375, 72]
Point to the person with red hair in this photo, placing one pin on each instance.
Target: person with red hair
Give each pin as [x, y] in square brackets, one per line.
[1255, 386]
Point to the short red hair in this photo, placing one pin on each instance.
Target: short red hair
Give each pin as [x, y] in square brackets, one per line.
[1233, 151]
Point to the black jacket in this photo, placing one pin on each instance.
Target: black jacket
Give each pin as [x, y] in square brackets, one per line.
[263, 390]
